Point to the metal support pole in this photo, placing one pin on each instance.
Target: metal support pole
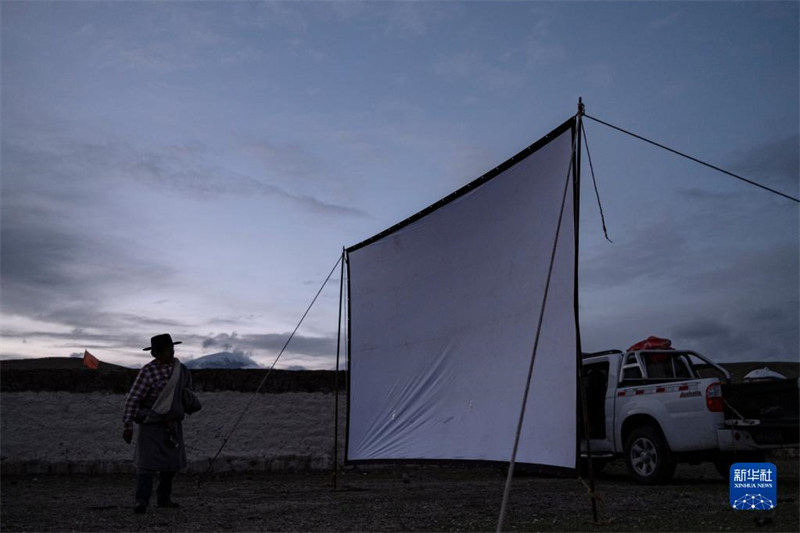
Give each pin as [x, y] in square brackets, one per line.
[581, 389]
[336, 383]
[510, 475]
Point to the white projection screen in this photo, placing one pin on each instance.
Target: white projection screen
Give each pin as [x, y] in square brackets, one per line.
[443, 312]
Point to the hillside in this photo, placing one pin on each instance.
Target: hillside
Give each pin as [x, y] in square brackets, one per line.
[56, 363]
[739, 370]
[69, 374]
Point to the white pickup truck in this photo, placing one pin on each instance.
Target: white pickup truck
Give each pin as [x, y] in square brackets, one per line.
[656, 408]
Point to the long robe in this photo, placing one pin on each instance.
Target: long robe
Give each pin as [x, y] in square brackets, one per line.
[160, 445]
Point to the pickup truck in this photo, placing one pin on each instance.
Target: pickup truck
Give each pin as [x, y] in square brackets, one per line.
[655, 408]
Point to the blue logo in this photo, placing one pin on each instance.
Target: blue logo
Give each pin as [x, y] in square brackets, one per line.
[754, 486]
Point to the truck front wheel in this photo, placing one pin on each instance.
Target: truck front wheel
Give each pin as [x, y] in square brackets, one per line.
[647, 456]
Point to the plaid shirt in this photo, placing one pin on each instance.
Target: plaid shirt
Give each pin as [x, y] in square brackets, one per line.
[149, 383]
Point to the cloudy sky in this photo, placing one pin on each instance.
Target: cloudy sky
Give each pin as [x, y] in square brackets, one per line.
[197, 167]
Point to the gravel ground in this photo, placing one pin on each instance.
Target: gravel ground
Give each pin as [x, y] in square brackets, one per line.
[392, 499]
[66, 468]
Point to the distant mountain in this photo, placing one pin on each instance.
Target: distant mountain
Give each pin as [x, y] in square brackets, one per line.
[228, 360]
[56, 363]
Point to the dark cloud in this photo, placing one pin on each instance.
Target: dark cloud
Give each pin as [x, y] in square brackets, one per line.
[768, 274]
[746, 308]
[53, 273]
[273, 342]
[706, 196]
[51, 263]
[740, 339]
[703, 329]
[49, 270]
[57, 268]
[723, 342]
[655, 249]
[768, 315]
[730, 298]
[69, 167]
[36, 250]
[775, 164]
[110, 331]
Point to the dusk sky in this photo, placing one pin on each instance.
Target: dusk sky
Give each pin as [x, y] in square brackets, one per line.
[197, 167]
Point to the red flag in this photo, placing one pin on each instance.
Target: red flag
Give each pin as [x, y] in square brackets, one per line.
[90, 361]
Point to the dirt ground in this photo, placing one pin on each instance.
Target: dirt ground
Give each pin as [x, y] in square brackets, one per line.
[401, 498]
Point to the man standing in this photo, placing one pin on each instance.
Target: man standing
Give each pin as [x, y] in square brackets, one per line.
[157, 402]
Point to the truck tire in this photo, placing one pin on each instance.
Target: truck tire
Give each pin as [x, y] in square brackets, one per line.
[647, 456]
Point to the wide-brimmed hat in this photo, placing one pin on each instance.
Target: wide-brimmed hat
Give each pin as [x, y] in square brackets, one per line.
[160, 341]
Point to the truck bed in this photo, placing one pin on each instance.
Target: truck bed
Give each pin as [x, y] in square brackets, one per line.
[774, 403]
